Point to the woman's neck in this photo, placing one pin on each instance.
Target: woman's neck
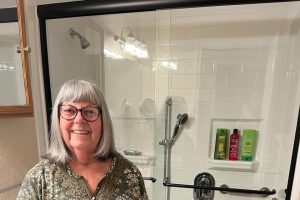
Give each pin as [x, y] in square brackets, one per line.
[90, 167]
[81, 157]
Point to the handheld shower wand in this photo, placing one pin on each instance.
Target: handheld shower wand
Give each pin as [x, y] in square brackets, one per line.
[181, 120]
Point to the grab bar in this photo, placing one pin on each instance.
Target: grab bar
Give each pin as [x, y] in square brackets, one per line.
[224, 188]
[6, 189]
[150, 179]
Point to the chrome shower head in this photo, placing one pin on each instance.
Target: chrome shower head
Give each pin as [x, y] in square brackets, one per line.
[83, 41]
[181, 120]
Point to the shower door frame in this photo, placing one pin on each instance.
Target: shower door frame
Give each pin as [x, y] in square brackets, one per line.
[95, 7]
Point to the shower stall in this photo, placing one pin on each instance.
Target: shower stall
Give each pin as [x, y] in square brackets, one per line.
[173, 73]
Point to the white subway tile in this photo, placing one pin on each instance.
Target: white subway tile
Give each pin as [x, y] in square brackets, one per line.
[204, 95]
[184, 81]
[210, 80]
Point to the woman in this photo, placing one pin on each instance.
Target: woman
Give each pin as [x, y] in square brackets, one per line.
[82, 162]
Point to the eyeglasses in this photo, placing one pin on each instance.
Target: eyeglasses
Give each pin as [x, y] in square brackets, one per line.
[89, 113]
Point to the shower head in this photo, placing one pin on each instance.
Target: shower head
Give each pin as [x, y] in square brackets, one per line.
[181, 120]
[83, 41]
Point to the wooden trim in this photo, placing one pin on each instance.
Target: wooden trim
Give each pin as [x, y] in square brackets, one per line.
[26, 109]
[24, 54]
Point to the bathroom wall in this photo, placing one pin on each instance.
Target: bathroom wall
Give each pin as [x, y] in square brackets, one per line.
[197, 89]
[296, 61]
[129, 89]
[219, 77]
[67, 60]
[18, 136]
[18, 152]
[231, 72]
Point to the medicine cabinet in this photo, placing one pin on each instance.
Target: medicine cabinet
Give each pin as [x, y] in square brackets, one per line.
[15, 89]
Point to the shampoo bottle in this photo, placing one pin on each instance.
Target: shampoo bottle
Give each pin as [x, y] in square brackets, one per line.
[248, 144]
[221, 144]
[234, 145]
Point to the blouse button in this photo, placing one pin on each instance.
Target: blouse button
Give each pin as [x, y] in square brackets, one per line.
[93, 198]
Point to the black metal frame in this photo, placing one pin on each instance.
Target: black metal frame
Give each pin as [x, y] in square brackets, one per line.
[8, 15]
[96, 7]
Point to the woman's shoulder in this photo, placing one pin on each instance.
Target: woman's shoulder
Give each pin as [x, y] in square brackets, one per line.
[123, 163]
[43, 166]
[122, 160]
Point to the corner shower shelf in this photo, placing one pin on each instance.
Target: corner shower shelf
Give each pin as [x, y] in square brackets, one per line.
[233, 165]
[141, 160]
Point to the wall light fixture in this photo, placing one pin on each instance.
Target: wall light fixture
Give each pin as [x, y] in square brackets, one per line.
[131, 43]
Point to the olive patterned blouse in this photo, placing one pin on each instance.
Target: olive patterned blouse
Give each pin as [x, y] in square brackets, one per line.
[49, 180]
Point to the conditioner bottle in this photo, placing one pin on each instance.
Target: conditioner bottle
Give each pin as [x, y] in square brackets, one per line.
[248, 144]
[221, 144]
[234, 145]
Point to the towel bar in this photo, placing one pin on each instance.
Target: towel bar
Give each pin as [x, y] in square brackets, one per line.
[264, 191]
[6, 189]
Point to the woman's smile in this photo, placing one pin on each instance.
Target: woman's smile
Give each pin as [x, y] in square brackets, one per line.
[80, 132]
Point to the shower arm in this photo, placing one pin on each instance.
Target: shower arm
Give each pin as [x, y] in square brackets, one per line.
[73, 33]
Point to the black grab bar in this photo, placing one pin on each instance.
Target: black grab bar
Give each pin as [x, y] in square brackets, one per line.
[150, 179]
[224, 188]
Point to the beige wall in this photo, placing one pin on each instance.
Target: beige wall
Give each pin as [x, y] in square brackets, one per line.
[19, 148]
[18, 152]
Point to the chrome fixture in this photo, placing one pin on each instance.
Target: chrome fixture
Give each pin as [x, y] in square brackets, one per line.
[131, 43]
[204, 180]
[150, 179]
[168, 141]
[83, 41]
[181, 120]
[167, 144]
[27, 49]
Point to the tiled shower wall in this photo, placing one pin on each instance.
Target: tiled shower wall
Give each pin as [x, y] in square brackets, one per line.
[246, 78]
[232, 73]
[254, 77]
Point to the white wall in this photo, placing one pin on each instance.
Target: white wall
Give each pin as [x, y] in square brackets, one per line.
[67, 60]
[296, 61]
[235, 77]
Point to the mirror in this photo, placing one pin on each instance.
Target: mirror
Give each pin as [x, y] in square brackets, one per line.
[15, 89]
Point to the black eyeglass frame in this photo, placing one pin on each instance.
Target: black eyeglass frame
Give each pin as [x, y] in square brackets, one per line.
[80, 110]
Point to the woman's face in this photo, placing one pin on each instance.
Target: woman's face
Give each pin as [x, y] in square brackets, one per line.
[78, 133]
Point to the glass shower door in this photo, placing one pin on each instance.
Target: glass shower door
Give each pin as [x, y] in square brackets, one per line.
[116, 52]
[231, 67]
[236, 68]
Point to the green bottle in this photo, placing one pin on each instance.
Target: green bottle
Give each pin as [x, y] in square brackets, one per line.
[248, 144]
[221, 144]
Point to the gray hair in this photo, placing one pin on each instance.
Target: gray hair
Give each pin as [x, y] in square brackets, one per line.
[75, 91]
